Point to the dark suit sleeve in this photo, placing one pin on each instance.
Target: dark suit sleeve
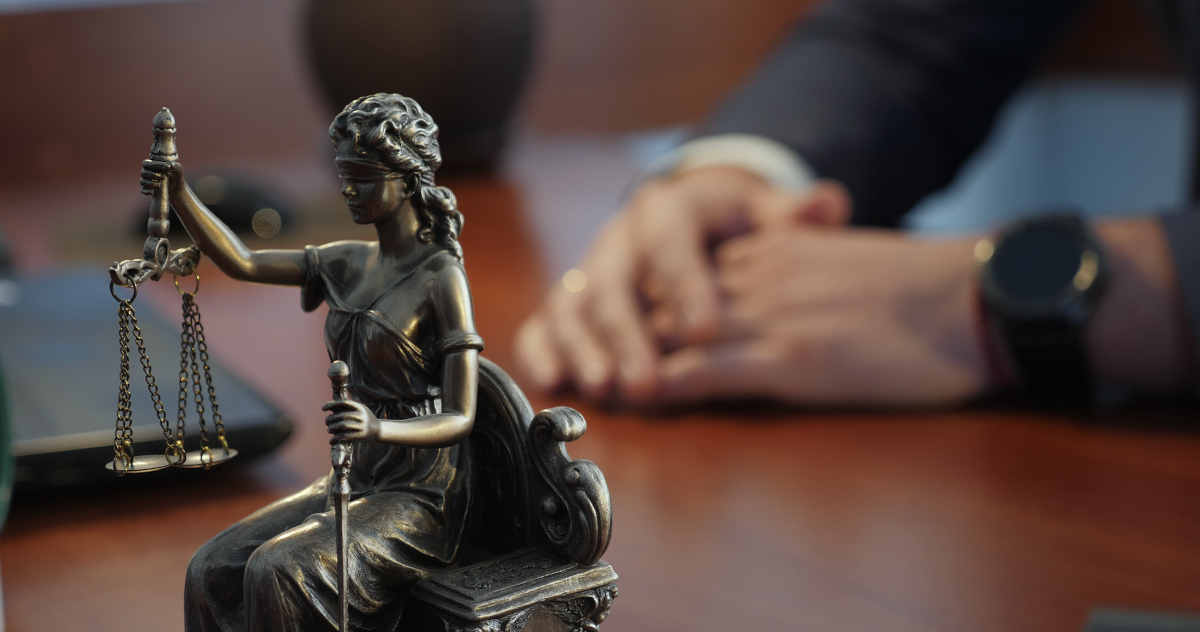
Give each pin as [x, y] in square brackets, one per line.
[1183, 234]
[891, 97]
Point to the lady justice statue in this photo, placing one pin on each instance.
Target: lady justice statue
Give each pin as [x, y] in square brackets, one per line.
[400, 318]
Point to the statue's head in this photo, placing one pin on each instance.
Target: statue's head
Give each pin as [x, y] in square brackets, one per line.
[389, 135]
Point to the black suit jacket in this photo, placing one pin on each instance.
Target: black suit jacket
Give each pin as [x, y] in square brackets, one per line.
[890, 97]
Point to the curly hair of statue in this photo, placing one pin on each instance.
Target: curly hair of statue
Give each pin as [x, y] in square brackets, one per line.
[396, 132]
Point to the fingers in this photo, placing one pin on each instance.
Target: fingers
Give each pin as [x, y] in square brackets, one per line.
[598, 342]
[724, 370]
[772, 264]
[829, 204]
[345, 427]
[156, 172]
[158, 166]
[618, 321]
[588, 364]
[591, 333]
[537, 353]
[798, 366]
[151, 182]
[345, 415]
[650, 284]
[347, 436]
[826, 204]
[677, 276]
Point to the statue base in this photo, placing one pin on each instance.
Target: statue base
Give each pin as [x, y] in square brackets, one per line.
[525, 591]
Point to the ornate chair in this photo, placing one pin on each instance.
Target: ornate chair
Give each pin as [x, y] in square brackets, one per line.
[538, 524]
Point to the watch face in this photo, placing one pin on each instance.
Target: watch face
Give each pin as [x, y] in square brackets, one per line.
[1037, 264]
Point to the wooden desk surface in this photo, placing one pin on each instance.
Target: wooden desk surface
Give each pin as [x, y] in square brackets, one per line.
[726, 519]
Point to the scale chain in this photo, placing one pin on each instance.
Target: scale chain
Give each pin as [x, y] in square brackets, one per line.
[202, 347]
[127, 430]
[186, 340]
[173, 447]
[121, 439]
[193, 354]
[189, 314]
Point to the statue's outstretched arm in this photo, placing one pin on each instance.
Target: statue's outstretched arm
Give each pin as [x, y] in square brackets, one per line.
[215, 239]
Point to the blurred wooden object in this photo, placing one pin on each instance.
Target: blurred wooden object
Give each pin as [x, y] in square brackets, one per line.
[620, 65]
[600, 65]
[1115, 37]
[78, 85]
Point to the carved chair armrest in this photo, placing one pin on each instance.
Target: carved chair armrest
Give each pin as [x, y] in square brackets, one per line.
[574, 508]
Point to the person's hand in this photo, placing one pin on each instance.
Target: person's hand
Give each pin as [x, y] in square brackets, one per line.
[650, 281]
[351, 421]
[155, 172]
[857, 317]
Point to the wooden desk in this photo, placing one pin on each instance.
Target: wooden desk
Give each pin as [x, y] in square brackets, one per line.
[729, 519]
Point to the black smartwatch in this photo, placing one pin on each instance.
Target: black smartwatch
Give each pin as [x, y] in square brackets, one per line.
[1040, 280]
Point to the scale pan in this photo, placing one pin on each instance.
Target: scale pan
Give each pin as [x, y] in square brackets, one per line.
[215, 457]
[143, 463]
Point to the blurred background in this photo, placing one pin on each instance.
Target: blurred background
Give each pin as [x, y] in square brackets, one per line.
[592, 88]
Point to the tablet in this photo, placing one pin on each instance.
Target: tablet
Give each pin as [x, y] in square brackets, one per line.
[60, 356]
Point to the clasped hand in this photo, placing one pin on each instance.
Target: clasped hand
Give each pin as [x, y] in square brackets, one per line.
[712, 284]
[351, 421]
[155, 172]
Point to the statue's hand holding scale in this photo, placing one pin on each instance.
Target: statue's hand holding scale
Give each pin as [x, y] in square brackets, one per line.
[157, 259]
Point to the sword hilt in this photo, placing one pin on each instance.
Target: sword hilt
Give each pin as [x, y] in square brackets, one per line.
[339, 377]
[340, 453]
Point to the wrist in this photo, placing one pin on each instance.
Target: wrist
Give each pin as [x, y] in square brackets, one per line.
[1001, 372]
[1139, 336]
[374, 428]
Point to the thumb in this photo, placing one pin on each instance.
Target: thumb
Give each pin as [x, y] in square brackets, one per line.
[827, 204]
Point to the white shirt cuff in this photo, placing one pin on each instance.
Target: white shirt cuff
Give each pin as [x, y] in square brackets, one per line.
[770, 160]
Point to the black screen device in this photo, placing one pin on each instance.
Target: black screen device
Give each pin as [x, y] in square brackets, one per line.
[60, 356]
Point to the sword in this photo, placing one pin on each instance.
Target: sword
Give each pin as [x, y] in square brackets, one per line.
[342, 452]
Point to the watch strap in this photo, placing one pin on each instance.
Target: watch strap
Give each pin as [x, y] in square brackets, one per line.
[1050, 359]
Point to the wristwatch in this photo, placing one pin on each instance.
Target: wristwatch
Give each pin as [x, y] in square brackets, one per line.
[1040, 280]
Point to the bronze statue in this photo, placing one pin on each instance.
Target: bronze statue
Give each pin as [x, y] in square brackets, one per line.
[424, 501]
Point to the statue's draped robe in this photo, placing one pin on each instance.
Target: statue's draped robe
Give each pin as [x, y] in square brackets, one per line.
[277, 568]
